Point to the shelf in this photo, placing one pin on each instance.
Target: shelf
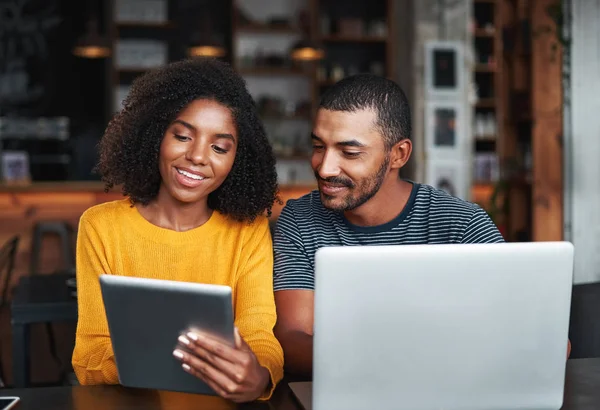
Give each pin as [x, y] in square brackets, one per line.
[145, 24]
[352, 39]
[481, 192]
[485, 68]
[484, 184]
[266, 29]
[486, 138]
[483, 33]
[273, 71]
[486, 103]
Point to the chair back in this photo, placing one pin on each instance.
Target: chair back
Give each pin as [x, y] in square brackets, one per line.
[8, 254]
[584, 329]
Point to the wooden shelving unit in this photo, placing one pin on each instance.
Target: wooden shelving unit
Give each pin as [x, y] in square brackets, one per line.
[144, 24]
[526, 103]
[346, 52]
[372, 40]
[267, 29]
[273, 71]
[122, 76]
[354, 39]
[176, 30]
[283, 89]
[488, 113]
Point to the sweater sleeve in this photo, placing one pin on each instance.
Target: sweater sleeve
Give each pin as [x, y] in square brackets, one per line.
[93, 357]
[255, 314]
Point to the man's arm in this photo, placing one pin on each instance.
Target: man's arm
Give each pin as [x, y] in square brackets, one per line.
[294, 329]
[481, 229]
[293, 283]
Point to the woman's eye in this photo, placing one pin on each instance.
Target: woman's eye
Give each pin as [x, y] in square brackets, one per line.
[182, 137]
[219, 149]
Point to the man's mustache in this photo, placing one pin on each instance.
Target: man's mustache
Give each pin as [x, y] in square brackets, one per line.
[336, 180]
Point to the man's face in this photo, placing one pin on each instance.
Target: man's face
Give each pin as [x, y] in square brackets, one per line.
[349, 158]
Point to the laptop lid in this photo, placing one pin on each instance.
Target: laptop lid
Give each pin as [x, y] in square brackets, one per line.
[442, 326]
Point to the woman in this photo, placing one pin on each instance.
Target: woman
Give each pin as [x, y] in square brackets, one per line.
[193, 159]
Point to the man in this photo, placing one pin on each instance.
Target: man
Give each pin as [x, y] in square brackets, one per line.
[361, 140]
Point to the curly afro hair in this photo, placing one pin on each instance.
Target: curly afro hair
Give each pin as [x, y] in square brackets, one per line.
[130, 147]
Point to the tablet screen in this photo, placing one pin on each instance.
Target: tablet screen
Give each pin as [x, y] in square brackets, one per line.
[8, 402]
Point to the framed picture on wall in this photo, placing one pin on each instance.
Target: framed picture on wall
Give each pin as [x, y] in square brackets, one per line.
[449, 176]
[15, 167]
[444, 130]
[444, 68]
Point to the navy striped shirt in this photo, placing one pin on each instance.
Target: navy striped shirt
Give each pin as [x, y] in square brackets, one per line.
[431, 216]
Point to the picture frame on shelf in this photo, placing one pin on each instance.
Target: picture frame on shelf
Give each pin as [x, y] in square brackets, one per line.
[141, 11]
[444, 68]
[444, 128]
[15, 167]
[449, 176]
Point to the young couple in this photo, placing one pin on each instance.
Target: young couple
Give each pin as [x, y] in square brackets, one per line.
[193, 160]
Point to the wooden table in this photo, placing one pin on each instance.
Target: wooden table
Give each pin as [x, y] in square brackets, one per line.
[582, 392]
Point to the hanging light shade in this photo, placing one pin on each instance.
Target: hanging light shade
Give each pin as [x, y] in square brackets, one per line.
[306, 50]
[206, 49]
[91, 44]
[205, 42]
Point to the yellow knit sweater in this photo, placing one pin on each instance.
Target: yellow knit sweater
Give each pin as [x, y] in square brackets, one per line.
[115, 238]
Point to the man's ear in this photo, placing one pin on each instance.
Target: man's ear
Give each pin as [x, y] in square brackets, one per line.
[400, 153]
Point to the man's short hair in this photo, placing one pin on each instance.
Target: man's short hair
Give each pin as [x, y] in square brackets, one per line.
[368, 91]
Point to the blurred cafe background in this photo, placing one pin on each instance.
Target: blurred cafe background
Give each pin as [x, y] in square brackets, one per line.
[504, 95]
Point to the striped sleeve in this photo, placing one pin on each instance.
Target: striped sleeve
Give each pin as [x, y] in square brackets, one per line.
[292, 266]
[481, 229]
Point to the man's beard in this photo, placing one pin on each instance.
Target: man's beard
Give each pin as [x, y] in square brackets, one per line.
[365, 191]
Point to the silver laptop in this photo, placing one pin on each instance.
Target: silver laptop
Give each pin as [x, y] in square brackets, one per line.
[441, 327]
[145, 318]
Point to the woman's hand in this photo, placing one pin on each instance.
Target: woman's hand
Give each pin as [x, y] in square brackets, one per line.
[232, 372]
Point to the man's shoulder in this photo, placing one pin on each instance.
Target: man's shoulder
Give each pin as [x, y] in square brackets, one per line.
[306, 216]
[455, 216]
[305, 206]
[440, 202]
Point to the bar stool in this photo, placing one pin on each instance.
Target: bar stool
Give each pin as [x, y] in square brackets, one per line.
[8, 253]
[65, 234]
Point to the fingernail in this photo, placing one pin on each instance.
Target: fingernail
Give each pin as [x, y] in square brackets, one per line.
[193, 336]
[186, 367]
[184, 340]
[178, 354]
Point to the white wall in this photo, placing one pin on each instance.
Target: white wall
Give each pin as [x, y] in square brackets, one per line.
[582, 141]
[440, 20]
